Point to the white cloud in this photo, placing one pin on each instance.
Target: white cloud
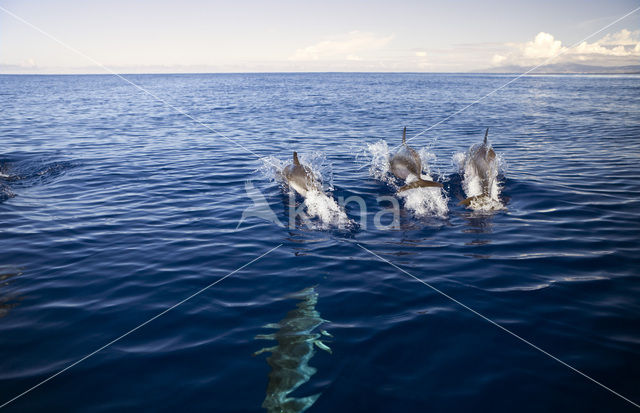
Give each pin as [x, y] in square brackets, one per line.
[585, 48]
[498, 59]
[349, 46]
[543, 46]
[421, 54]
[624, 37]
[614, 48]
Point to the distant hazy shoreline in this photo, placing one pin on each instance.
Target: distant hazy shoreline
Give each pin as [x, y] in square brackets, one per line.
[479, 73]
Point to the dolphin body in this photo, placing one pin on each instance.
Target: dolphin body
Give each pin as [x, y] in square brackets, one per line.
[406, 162]
[300, 177]
[297, 337]
[482, 159]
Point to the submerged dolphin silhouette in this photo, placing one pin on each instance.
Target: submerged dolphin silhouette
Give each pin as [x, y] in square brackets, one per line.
[297, 336]
[406, 162]
[300, 177]
[481, 158]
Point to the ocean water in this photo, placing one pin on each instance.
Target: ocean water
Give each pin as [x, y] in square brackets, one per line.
[115, 207]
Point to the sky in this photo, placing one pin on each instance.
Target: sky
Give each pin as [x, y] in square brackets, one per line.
[141, 36]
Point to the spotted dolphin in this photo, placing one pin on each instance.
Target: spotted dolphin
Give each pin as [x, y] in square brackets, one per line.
[481, 160]
[405, 163]
[296, 335]
[300, 177]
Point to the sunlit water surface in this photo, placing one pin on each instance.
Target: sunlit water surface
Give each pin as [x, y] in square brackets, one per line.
[114, 207]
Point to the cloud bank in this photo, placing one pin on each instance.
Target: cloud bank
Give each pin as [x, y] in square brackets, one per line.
[364, 51]
[350, 46]
[614, 49]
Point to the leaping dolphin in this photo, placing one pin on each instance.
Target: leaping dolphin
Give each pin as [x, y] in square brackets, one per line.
[406, 162]
[300, 177]
[482, 160]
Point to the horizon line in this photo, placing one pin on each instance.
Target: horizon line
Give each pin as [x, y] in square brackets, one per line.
[636, 72]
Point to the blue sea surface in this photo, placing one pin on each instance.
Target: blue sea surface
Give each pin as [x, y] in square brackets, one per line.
[114, 206]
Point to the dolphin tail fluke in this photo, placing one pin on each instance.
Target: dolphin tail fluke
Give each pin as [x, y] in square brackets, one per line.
[404, 135]
[292, 404]
[420, 183]
[467, 202]
[295, 158]
[486, 133]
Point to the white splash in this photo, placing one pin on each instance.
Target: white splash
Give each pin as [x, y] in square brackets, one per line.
[271, 168]
[323, 207]
[379, 164]
[425, 202]
[422, 202]
[3, 169]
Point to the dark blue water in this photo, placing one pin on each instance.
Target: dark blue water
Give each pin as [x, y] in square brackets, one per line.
[114, 207]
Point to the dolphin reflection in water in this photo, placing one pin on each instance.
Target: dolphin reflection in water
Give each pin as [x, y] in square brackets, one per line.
[7, 301]
[297, 336]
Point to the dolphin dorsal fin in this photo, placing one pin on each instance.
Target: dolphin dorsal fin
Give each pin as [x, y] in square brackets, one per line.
[485, 136]
[295, 158]
[404, 135]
